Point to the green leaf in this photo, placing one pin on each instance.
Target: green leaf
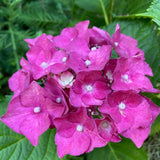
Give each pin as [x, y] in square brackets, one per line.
[148, 40]
[127, 7]
[154, 11]
[125, 150]
[93, 6]
[155, 126]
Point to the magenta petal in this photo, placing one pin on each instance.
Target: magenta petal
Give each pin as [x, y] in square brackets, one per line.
[32, 95]
[64, 128]
[100, 90]
[77, 87]
[71, 33]
[137, 135]
[100, 57]
[44, 42]
[15, 114]
[88, 100]
[19, 81]
[61, 41]
[96, 140]
[75, 99]
[76, 145]
[35, 125]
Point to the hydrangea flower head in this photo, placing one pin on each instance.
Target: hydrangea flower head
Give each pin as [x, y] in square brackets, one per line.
[89, 88]
[70, 82]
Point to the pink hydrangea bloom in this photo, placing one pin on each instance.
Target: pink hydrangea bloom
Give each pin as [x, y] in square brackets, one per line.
[88, 97]
[44, 57]
[31, 113]
[64, 40]
[124, 45]
[131, 112]
[42, 41]
[76, 134]
[89, 88]
[26, 114]
[130, 73]
[57, 95]
[107, 129]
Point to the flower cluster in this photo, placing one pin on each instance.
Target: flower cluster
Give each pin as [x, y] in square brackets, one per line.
[69, 82]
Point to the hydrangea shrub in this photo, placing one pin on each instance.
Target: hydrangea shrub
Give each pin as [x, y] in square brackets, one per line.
[69, 82]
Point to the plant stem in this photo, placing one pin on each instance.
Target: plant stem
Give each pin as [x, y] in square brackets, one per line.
[14, 46]
[104, 12]
[111, 9]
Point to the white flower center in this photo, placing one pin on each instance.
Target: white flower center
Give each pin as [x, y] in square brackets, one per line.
[116, 44]
[122, 105]
[125, 77]
[93, 48]
[44, 65]
[66, 78]
[37, 109]
[88, 62]
[80, 128]
[109, 75]
[64, 59]
[58, 100]
[89, 88]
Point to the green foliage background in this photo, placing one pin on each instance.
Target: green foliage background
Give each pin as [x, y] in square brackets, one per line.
[20, 19]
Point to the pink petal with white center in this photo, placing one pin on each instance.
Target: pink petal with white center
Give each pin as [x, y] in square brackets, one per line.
[57, 95]
[105, 35]
[124, 45]
[100, 57]
[38, 71]
[130, 98]
[35, 125]
[107, 129]
[44, 56]
[77, 118]
[74, 133]
[55, 109]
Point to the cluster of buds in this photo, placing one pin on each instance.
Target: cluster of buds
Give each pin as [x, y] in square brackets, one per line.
[69, 82]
